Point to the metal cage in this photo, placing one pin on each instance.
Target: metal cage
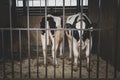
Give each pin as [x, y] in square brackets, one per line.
[21, 60]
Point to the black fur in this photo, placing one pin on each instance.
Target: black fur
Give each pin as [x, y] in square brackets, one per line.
[52, 24]
[86, 33]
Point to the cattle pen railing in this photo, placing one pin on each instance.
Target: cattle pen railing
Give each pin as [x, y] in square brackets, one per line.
[27, 64]
[19, 60]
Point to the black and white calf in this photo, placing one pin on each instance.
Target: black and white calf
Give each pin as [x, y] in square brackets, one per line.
[79, 38]
[56, 36]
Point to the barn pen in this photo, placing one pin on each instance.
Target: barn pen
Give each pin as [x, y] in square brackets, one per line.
[22, 56]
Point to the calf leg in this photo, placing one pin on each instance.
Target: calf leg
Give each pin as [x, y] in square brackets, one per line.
[70, 48]
[61, 48]
[44, 47]
[54, 48]
[87, 43]
[76, 53]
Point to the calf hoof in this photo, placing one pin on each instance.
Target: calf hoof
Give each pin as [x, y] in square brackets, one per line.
[75, 68]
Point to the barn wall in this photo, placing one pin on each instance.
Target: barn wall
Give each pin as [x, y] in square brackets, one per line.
[4, 13]
[34, 22]
[118, 36]
[105, 17]
[4, 21]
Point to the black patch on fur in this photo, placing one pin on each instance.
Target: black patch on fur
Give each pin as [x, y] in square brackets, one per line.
[52, 24]
[74, 32]
[86, 33]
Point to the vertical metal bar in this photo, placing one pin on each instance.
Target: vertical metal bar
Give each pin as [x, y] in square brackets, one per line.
[46, 76]
[40, 3]
[70, 2]
[11, 36]
[32, 2]
[17, 3]
[116, 40]
[40, 6]
[72, 58]
[81, 17]
[70, 6]
[55, 6]
[37, 54]
[106, 69]
[97, 74]
[37, 49]
[55, 3]
[28, 34]
[20, 54]
[55, 56]
[3, 56]
[63, 39]
[55, 51]
[98, 55]
[24, 7]
[78, 5]
[90, 47]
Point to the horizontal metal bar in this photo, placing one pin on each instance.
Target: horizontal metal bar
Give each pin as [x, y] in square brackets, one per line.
[95, 29]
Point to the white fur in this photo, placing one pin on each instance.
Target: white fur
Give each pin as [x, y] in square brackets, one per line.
[56, 40]
[87, 44]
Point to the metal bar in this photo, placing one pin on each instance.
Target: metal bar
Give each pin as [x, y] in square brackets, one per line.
[3, 55]
[97, 74]
[99, 32]
[63, 73]
[32, 3]
[90, 47]
[40, 8]
[81, 6]
[37, 47]
[96, 29]
[55, 52]
[20, 54]
[106, 69]
[70, 5]
[24, 7]
[46, 75]
[78, 5]
[116, 40]
[11, 40]
[72, 58]
[55, 6]
[28, 34]
[37, 54]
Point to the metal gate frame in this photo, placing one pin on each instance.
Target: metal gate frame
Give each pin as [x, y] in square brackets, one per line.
[28, 29]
